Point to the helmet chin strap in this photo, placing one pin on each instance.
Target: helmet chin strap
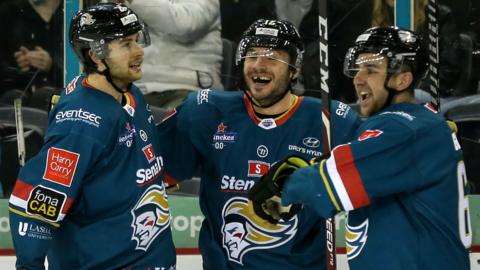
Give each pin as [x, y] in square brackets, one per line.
[391, 91]
[108, 76]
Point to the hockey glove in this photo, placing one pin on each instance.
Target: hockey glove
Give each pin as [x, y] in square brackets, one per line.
[54, 99]
[453, 126]
[266, 194]
[317, 160]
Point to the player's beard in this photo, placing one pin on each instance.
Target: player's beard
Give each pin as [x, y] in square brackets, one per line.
[123, 76]
[376, 102]
[277, 90]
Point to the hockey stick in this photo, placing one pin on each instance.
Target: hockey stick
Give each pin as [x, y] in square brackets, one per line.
[326, 127]
[433, 53]
[17, 104]
[17, 110]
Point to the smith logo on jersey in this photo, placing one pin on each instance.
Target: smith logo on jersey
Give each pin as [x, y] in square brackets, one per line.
[243, 231]
[150, 216]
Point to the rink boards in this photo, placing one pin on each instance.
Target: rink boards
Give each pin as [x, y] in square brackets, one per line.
[187, 219]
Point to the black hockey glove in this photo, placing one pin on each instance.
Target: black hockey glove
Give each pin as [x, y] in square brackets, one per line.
[266, 194]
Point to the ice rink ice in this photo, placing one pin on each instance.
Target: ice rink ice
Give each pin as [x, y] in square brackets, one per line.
[194, 262]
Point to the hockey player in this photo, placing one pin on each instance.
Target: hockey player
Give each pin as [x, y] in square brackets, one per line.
[93, 197]
[234, 137]
[402, 179]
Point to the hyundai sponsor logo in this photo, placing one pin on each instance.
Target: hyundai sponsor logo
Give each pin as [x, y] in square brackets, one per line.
[311, 142]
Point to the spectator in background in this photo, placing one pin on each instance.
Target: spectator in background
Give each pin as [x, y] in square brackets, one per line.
[383, 13]
[186, 50]
[238, 15]
[292, 11]
[347, 19]
[32, 48]
[455, 42]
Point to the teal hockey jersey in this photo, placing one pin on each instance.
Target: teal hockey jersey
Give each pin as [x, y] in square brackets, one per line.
[218, 134]
[93, 197]
[402, 180]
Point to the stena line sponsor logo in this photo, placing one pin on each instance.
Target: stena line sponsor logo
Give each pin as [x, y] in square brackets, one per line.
[78, 115]
[149, 174]
[232, 184]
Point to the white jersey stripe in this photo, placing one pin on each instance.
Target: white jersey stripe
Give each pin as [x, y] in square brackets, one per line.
[338, 184]
[18, 202]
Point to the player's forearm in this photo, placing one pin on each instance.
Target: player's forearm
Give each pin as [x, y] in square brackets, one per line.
[306, 187]
[31, 240]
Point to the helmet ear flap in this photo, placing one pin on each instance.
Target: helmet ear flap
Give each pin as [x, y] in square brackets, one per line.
[100, 48]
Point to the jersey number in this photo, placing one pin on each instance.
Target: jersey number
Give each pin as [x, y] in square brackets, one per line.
[465, 228]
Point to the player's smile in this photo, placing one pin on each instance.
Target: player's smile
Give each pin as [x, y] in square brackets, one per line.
[261, 80]
[136, 66]
[365, 97]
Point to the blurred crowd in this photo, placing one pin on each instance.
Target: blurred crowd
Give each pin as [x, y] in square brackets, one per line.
[194, 44]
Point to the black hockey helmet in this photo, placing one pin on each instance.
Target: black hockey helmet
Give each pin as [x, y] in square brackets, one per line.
[395, 44]
[95, 26]
[275, 34]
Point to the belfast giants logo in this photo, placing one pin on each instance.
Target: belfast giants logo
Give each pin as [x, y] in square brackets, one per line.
[243, 231]
[151, 216]
[356, 238]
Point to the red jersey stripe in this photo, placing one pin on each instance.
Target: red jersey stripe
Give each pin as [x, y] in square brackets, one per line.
[22, 190]
[350, 176]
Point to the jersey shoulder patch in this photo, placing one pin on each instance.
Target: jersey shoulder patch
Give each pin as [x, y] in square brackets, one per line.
[93, 115]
